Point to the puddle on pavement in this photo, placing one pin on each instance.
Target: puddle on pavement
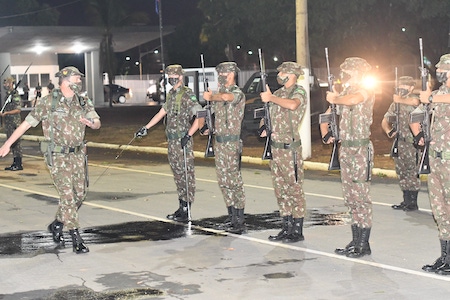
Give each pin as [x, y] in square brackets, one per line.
[41, 242]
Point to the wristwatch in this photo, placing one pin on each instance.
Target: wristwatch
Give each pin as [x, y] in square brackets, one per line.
[430, 99]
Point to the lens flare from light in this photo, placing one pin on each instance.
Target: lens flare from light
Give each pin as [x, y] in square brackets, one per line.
[370, 82]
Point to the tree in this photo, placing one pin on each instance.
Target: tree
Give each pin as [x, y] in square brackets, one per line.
[110, 14]
[28, 13]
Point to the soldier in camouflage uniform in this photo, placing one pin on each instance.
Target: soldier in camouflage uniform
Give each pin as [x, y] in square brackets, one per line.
[439, 159]
[405, 161]
[181, 106]
[355, 105]
[11, 113]
[287, 108]
[228, 106]
[64, 115]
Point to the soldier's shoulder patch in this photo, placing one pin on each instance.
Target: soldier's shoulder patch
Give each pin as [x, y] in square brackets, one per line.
[300, 90]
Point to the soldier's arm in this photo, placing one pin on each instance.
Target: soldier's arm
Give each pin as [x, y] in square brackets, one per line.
[441, 98]
[4, 150]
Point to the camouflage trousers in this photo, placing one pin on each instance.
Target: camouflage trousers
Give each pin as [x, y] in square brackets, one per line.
[16, 148]
[439, 195]
[356, 168]
[176, 162]
[68, 173]
[289, 193]
[229, 174]
[406, 167]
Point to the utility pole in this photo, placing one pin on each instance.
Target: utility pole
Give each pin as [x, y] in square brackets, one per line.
[301, 17]
[302, 57]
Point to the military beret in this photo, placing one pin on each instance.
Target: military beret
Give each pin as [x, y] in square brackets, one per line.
[406, 80]
[227, 67]
[174, 70]
[356, 64]
[291, 68]
[444, 62]
[68, 71]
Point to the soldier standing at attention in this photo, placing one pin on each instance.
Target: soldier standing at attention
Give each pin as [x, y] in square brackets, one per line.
[355, 106]
[405, 161]
[64, 116]
[181, 106]
[11, 114]
[228, 104]
[287, 108]
[439, 159]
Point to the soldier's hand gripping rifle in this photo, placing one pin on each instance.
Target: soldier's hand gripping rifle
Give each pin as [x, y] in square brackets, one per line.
[264, 113]
[209, 152]
[424, 119]
[395, 122]
[8, 99]
[332, 119]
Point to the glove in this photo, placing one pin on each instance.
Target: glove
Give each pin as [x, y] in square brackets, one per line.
[141, 132]
[184, 140]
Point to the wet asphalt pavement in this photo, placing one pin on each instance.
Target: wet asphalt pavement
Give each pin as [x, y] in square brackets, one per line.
[136, 253]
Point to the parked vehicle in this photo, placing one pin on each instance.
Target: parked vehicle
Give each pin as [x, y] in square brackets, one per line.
[120, 94]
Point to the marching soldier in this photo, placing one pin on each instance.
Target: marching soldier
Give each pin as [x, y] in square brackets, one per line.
[64, 115]
[355, 105]
[11, 113]
[439, 161]
[181, 106]
[228, 105]
[405, 161]
[287, 108]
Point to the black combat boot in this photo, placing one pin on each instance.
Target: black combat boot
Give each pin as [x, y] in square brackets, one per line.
[227, 222]
[181, 214]
[412, 204]
[441, 260]
[78, 244]
[56, 228]
[362, 246]
[402, 204]
[286, 228]
[296, 234]
[16, 165]
[351, 246]
[238, 221]
[445, 268]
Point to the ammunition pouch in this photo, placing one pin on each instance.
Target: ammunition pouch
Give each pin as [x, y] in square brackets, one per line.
[46, 148]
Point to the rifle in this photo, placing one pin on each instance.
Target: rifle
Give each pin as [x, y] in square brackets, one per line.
[424, 119]
[396, 123]
[332, 119]
[209, 152]
[15, 88]
[264, 112]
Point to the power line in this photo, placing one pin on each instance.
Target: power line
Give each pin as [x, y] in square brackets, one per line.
[38, 11]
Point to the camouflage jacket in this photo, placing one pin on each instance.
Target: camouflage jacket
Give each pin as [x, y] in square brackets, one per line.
[286, 122]
[181, 106]
[13, 105]
[405, 111]
[64, 123]
[229, 115]
[355, 120]
[440, 129]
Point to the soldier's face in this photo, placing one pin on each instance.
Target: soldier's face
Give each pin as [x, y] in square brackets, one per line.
[442, 76]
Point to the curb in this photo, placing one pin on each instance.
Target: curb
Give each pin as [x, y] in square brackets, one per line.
[307, 165]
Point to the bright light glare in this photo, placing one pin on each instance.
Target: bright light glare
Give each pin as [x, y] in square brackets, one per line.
[370, 82]
[38, 49]
[78, 47]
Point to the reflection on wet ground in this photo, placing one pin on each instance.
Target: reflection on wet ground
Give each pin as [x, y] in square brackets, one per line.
[40, 242]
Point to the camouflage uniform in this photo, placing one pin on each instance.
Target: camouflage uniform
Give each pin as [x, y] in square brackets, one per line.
[405, 162]
[12, 122]
[285, 141]
[181, 106]
[228, 146]
[356, 159]
[439, 178]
